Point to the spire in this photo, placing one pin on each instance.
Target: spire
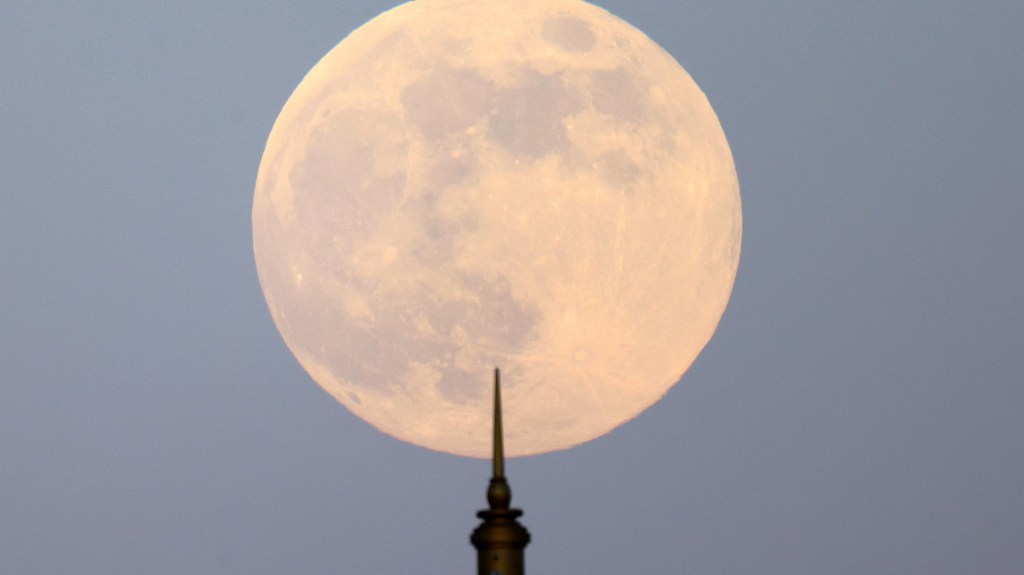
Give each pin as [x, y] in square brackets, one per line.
[499, 494]
[499, 539]
[499, 433]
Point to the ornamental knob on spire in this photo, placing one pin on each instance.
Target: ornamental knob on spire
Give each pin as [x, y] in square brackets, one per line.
[500, 539]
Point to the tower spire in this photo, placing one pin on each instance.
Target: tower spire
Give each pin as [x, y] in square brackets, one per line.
[499, 433]
[499, 494]
[499, 539]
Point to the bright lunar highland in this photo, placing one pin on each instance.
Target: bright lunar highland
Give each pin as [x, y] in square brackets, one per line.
[528, 184]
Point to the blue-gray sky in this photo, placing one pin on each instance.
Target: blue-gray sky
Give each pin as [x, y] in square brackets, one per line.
[858, 411]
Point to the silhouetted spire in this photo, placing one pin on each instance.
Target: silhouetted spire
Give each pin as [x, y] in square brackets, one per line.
[499, 495]
[499, 433]
[500, 539]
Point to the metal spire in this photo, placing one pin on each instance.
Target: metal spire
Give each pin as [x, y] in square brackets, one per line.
[500, 539]
[499, 494]
[499, 434]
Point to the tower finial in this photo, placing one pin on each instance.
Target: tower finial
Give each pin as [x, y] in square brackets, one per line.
[500, 539]
[499, 494]
[499, 433]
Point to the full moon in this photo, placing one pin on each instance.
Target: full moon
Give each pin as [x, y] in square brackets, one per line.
[464, 184]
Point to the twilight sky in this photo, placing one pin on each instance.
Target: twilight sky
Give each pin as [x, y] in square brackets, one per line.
[858, 411]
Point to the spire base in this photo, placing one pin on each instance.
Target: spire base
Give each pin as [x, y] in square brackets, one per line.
[499, 542]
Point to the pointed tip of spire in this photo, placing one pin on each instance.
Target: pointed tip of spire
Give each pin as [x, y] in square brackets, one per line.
[499, 495]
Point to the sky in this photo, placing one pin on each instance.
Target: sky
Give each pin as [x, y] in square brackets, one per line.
[858, 410]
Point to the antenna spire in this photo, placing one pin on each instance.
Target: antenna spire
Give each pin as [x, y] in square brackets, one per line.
[499, 539]
[499, 433]
[499, 494]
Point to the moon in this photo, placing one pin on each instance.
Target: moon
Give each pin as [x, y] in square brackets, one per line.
[459, 185]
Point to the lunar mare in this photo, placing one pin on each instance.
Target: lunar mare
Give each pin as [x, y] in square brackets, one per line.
[460, 185]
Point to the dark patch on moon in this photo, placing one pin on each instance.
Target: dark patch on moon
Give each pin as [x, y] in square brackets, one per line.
[338, 170]
[377, 353]
[450, 165]
[618, 170]
[525, 119]
[528, 120]
[341, 198]
[493, 320]
[501, 321]
[317, 325]
[436, 248]
[335, 162]
[616, 94]
[447, 101]
[571, 34]
[337, 191]
[457, 386]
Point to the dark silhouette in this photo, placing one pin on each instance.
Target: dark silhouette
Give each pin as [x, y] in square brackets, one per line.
[500, 539]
